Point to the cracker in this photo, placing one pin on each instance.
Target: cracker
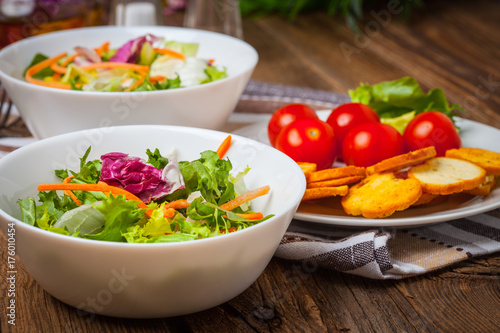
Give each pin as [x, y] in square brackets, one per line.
[485, 187]
[380, 195]
[402, 161]
[307, 168]
[324, 192]
[334, 173]
[336, 182]
[486, 159]
[445, 175]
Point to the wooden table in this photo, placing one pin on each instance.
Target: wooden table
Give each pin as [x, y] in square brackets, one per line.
[451, 45]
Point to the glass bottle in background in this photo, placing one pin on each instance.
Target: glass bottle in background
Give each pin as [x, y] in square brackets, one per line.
[25, 18]
[215, 15]
[136, 12]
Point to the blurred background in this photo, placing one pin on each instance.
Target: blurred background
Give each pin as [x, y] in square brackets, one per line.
[330, 45]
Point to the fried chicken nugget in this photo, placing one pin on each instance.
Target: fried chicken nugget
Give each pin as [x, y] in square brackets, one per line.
[380, 195]
[486, 159]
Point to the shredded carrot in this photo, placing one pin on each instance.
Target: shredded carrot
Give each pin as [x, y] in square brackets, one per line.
[41, 65]
[136, 84]
[138, 68]
[170, 53]
[103, 48]
[177, 204]
[67, 180]
[224, 147]
[69, 59]
[157, 78]
[169, 212]
[232, 229]
[245, 197]
[250, 216]
[56, 76]
[58, 68]
[94, 187]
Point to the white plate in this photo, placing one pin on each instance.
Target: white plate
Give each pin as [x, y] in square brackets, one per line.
[330, 211]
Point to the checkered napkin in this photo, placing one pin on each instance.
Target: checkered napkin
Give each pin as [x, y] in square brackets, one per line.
[391, 254]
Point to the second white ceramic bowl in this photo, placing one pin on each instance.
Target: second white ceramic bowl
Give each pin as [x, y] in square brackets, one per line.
[49, 111]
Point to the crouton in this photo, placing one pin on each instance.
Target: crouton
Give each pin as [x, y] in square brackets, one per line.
[445, 175]
[380, 195]
[488, 160]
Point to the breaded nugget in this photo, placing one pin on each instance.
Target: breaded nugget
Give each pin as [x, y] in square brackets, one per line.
[380, 195]
[324, 192]
[340, 172]
[402, 161]
[488, 160]
[336, 182]
[445, 175]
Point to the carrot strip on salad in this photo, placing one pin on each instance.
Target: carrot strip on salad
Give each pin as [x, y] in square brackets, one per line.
[170, 53]
[94, 187]
[138, 68]
[250, 216]
[42, 65]
[67, 180]
[137, 83]
[69, 59]
[224, 147]
[58, 68]
[177, 204]
[245, 197]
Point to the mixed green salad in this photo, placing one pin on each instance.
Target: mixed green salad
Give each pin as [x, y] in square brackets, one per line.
[122, 198]
[146, 63]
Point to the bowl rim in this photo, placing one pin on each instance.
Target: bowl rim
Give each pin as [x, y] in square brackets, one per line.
[7, 218]
[250, 65]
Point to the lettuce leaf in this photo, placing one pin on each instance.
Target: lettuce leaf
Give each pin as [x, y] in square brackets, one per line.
[391, 99]
[119, 214]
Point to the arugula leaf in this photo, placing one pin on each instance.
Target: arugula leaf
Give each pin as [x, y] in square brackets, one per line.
[391, 99]
[39, 57]
[156, 159]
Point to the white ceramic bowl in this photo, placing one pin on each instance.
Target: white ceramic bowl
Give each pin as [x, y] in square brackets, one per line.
[48, 111]
[148, 280]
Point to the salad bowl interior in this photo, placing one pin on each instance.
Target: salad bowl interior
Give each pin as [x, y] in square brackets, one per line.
[49, 111]
[147, 280]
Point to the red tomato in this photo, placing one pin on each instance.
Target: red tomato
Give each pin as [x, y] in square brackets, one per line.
[370, 143]
[309, 140]
[431, 128]
[285, 116]
[347, 116]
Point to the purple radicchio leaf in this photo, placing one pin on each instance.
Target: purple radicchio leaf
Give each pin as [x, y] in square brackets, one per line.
[136, 176]
[130, 51]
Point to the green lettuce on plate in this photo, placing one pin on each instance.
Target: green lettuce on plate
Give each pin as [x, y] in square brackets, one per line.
[398, 101]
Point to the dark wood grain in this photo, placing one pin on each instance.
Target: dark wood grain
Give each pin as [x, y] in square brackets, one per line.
[451, 45]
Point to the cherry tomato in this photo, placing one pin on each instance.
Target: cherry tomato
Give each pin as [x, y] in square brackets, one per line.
[285, 116]
[309, 140]
[431, 128]
[370, 143]
[347, 116]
